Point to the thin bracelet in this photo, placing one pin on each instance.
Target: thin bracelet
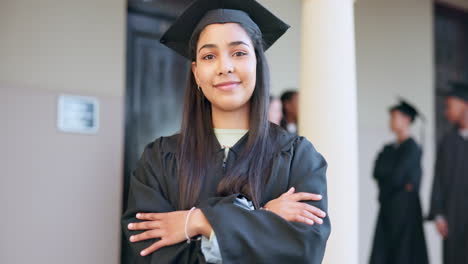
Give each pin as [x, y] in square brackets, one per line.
[186, 224]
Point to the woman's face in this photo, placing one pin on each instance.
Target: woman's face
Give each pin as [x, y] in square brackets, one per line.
[225, 66]
[399, 121]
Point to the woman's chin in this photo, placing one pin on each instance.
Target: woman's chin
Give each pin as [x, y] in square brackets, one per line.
[229, 105]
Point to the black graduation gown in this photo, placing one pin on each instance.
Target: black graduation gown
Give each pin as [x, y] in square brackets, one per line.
[399, 236]
[450, 195]
[243, 236]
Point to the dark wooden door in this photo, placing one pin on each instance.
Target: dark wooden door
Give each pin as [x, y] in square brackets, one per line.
[156, 79]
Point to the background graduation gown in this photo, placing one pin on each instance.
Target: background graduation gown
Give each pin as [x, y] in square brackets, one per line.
[399, 236]
[244, 236]
[450, 195]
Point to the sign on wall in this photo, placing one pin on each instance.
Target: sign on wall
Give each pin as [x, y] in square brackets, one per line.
[78, 114]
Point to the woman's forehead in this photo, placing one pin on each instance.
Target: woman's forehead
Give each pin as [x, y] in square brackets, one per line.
[224, 34]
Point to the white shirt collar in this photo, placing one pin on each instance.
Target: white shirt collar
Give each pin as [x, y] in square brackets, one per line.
[463, 133]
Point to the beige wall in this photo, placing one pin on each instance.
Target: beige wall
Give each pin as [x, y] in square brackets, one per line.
[60, 192]
[68, 46]
[394, 46]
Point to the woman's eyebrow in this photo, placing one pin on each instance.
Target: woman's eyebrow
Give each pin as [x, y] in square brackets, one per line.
[237, 43]
[207, 46]
[232, 44]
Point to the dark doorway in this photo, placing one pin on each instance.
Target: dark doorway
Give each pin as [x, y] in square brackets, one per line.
[155, 83]
[451, 56]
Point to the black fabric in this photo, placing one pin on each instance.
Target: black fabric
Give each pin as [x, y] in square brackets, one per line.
[197, 15]
[244, 236]
[399, 236]
[222, 16]
[450, 195]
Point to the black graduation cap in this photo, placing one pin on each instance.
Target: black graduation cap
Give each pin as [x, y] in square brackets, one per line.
[201, 13]
[459, 90]
[406, 108]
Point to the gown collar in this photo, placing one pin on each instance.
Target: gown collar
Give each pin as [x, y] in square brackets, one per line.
[237, 148]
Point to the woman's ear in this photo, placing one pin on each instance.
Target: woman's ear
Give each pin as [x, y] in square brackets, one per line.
[194, 71]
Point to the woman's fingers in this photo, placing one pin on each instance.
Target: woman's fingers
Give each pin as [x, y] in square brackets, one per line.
[155, 246]
[144, 225]
[302, 219]
[304, 196]
[289, 192]
[305, 213]
[306, 217]
[150, 216]
[155, 233]
[312, 217]
[314, 210]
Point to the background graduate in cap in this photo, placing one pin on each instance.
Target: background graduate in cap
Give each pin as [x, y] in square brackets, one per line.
[399, 236]
[231, 187]
[449, 202]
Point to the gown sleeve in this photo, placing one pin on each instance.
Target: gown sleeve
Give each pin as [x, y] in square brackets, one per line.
[147, 194]
[381, 164]
[408, 170]
[259, 236]
[438, 187]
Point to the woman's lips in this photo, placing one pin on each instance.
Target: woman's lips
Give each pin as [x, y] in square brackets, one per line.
[227, 86]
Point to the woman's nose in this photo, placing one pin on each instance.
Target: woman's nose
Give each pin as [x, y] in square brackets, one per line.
[225, 65]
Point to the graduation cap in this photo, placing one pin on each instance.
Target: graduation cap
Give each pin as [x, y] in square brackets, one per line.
[202, 13]
[458, 90]
[406, 108]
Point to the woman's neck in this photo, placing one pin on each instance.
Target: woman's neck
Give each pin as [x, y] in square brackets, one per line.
[402, 135]
[238, 119]
[291, 119]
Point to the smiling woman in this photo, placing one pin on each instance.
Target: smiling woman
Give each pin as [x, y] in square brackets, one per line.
[243, 189]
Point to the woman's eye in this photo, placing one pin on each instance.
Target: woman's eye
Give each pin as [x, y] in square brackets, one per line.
[239, 53]
[208, 57]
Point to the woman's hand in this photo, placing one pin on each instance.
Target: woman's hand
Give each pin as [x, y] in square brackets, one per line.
[442, 227]
[169, 227]
[290, 207]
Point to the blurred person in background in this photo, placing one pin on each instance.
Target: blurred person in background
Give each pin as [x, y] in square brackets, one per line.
[275, 111]
[290, 102]
[449, 201]
[399, 235]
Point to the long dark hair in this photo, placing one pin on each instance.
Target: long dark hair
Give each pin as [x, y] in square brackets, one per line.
[197, 138]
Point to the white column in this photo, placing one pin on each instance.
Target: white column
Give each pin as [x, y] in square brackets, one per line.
[328, 114]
